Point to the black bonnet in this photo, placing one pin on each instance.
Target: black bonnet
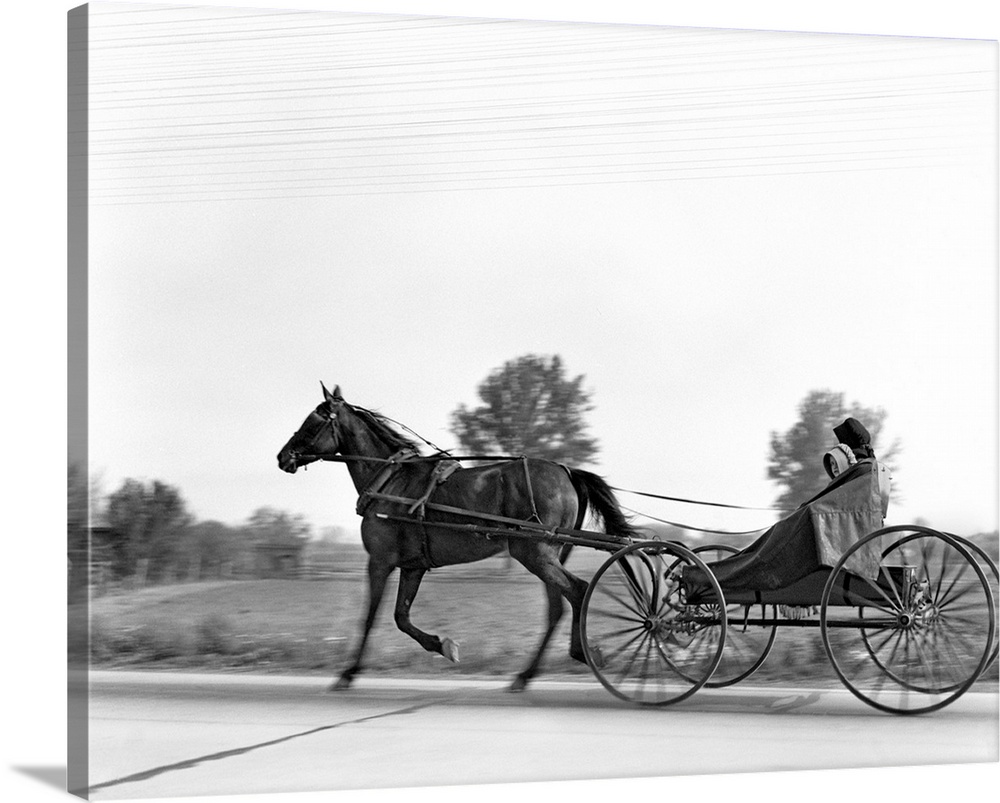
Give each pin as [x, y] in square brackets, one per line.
[853, 433]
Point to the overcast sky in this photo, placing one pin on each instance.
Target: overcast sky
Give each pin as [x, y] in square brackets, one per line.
[707, 223]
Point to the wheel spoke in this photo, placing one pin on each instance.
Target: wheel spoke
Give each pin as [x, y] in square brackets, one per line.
[897, 637]
[640, 677]
[926, 547]
[934, 648]
[635, 589]
[627, 603]
[951, 599]
[659, 649]
[629, 615]
[627, 669]
[666, 659]
[961, 648]
[889, 633]
[978, 606]
[957, 660]
[897, 602]
[637, 634]
[607, 635]
[958, 576]
[671, 664]
[861, 601]
[932, 668]
[655, 572]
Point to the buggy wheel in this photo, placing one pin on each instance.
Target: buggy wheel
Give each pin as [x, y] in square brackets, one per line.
[915, 638]
[747, 645]
[644, 638]
[989, 568]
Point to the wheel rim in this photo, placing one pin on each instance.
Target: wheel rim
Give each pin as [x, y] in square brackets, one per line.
[993, 578]
[920, 635]
[642, 639]
[948, 594]
[747, 647]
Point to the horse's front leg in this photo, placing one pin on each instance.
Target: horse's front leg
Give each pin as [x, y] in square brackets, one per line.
[378, 574]
[409, 583]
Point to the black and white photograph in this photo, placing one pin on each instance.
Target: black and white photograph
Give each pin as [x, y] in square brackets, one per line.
[469, 399]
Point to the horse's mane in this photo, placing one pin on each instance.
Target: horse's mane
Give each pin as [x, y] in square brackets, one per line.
[383, 430]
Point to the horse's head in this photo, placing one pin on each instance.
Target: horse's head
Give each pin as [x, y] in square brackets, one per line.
[319, 434]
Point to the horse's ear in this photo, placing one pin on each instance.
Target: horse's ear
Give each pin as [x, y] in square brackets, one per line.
[332, 397]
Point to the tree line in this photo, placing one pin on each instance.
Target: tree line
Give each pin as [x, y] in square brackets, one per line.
[143, 532]
[528, 405]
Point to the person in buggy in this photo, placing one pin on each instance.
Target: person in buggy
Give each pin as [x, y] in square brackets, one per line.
[852, 457]
[817, 534]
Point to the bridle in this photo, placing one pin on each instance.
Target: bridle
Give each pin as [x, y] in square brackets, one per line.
[315, 424]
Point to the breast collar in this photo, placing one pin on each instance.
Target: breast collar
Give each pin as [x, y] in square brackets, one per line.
[382, 477]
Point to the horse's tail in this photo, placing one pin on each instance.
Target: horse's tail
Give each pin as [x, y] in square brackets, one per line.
[597, 497]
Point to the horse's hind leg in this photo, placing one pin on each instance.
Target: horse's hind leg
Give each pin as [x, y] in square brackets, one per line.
[409, 583]
[378, 574]
[555, 612]
[559, 583]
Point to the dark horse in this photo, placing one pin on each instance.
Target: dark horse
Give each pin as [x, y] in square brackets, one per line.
[382, 462]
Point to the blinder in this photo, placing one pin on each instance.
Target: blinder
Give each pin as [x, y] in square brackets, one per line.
[312, 428]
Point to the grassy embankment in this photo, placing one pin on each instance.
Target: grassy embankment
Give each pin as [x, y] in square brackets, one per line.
[310, 626]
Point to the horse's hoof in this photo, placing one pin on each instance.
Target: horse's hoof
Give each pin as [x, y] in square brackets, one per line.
[449, 649]
[596, 659]
[519, 685]
[340, 684]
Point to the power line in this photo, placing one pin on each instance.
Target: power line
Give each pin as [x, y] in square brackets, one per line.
[299, 196]
[646, 167]
[678, 99]
[401, 133]
[372, 88]
[175, 40]
[508, 107]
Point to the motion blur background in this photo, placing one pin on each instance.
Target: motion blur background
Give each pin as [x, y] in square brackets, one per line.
[707, 224]
[35, 336]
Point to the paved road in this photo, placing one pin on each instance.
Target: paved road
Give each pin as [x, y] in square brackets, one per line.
[164, 735]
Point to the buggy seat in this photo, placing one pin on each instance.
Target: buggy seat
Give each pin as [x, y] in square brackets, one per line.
[816, 535]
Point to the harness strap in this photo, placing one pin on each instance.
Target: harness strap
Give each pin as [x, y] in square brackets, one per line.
[531, 494]
[378, 482]
[438, 476]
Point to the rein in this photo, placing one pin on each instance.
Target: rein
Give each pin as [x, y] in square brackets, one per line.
[407, 455]
[697, 502]
[684, 526]
[340, 458]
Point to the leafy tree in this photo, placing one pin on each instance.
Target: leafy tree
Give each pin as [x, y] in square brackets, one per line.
[149, 521]
[77, 528]
[269, 528]
[334, 534]
[796, 461]
[529, 407]
[270, 525]
[209, 547]
[77, 506]
[83, 500]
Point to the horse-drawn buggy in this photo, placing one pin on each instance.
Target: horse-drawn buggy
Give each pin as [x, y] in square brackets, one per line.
[906, 614]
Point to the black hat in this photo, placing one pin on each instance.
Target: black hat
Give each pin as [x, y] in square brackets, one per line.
[853, 433]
